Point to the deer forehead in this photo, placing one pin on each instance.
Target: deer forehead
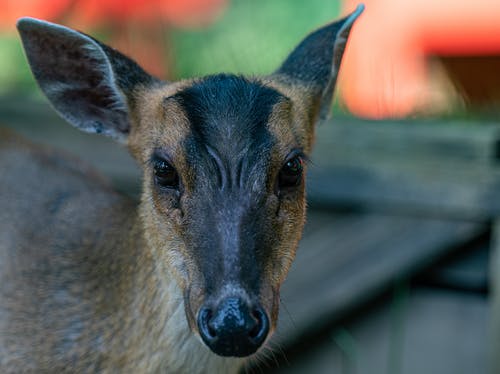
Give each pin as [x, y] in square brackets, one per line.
[226, 117]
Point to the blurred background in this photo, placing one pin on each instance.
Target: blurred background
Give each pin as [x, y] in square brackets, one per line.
[397, 269]
[405, 58]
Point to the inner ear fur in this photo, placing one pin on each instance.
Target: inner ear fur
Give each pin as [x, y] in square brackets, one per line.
[88, 83]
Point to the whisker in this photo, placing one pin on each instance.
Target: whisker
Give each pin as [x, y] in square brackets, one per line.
[285, 308]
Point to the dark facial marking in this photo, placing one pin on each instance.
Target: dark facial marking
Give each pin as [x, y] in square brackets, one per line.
[229, 151]
[228, 116]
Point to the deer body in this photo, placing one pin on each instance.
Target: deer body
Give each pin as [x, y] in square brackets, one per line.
[186, 281]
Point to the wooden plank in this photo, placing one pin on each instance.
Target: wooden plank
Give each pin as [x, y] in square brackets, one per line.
[455, 192]
[494, 337]
[351, 258]
[426, 331]
[430, 168]
[467, 271]
[425, 140]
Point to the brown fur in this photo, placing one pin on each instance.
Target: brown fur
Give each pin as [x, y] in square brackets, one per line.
[111, 285]
[91, 281]
[110, 311]
[164, 124]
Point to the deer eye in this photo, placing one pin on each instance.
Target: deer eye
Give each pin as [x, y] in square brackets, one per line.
[291, 173]
[165, 174]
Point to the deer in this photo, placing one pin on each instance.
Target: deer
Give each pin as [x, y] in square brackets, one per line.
[187, 279]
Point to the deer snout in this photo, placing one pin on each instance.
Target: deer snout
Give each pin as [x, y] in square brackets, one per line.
[233, 328]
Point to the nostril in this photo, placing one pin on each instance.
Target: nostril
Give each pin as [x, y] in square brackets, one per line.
[204, 318]
[261, 328]
[211, 331]
[254, 332]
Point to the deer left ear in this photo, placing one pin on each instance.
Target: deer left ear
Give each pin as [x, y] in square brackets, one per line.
[90, 84]
[315, 62]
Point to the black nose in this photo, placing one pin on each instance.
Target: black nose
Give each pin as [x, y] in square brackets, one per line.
[233, 328]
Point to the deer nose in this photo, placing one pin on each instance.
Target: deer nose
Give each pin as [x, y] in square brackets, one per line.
[233, 328]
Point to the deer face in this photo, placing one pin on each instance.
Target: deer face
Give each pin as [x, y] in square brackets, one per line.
[230, 187]
[224, 161]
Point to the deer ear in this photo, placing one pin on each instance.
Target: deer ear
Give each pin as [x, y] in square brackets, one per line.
[315, 62]
[89, 84]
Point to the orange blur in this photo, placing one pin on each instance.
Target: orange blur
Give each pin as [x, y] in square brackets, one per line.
[385, 68]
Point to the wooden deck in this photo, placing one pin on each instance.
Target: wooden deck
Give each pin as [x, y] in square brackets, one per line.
[391, 275]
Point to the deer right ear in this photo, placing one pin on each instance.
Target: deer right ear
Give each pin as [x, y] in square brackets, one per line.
[89, 84]
[314, 64]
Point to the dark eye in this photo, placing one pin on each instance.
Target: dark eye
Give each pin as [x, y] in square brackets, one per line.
[291, 173]
[165, 174]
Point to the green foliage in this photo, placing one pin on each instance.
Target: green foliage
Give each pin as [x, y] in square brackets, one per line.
[252, 37]
[14, 71]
